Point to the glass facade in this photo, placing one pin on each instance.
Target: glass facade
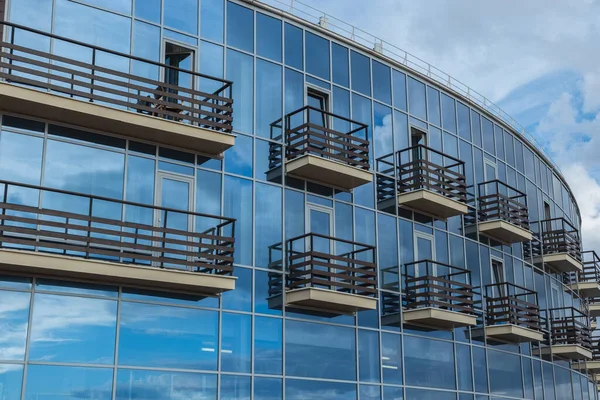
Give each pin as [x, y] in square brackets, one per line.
[77, 340]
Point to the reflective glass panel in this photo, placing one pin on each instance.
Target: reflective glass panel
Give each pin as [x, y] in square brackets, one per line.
[240, 69]
[148, 10]
[317, 56]
[163, 385]
[236, 343]
[212, 20]
[14, 314]
[318, 390]
[268, 96]
[340, 65]
[361, 73]
[238, 192]
[382, 83]
[268, 346]
[416, 99]
[20, 158]
[293, 46]
[240, 27]
[268, 37]
[423, 356]
[181, 15]
[268, 388]
[11, 380]
[60, 383]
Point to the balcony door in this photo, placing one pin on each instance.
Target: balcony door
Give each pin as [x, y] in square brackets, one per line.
[319, 221]
[175, 192]
[424, 250]
[498, 277]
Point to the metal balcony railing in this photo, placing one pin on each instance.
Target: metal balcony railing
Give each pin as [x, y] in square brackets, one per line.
[312, 131]
[556, 235]
[114, 230]
[569, 326]
[320, 261]
[591, 268]
[437, 285]
[98, 81]
[507, 303]
[499, 201]
[420, 167]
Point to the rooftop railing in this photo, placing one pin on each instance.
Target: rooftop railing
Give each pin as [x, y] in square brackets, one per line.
[101, 79]
[569, 326]
[420, 167]
[431, 284]
[95, 227]
[312, 131]
[320, 261]
[499, 201]
[507, 303]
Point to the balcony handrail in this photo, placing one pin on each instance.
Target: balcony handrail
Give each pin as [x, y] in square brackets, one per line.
[319, 235]
[591, 268]
[113, 200]
[427, 262]
[569, 328]
[525, 291]
[506, 306]
[329, 114]
[498, 183]
[456, 162]
[563, 221]
[116, 53]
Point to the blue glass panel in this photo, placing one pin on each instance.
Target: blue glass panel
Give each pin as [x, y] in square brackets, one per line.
[140, 188]
[208, 192]
[240, 69]
[294, 90]
[392, 393]
[548, 381]
[236, 343]
[340, 65]
[463, 365]
[488, 135]
[433, 106]
[365, 226]
[120, 6]
[479, 362]
[91, 289]
[332, 348]
[448, 113]
[146, 44]
[361, 73]
[235, 387]
[238, 159]
[268, 96]
[388, 252]
[293, 46]
[92, 26]
[169, 298]
[268, 388]
[391, 358]
[73, 329]
[90, 170]
[399, 81]
[211, 62]
[368, 356]
[268, 228]
[476, 128]
[11, 379]
[383, 132]
[268, 37]
[425, 355]
[238, 193]
[317, 56]
[318, 390]
[464, 122]
[212, 20]
[15, 319]
[401, 141]
[294, 214]
[239, 299]
[421, 394]
[20, 158]
[361, 111]
[148, 10]
[167, 337]
[240, 27]
[382, 83]
[416, 99]
[370, 392]
[34, 13]
[181, 15]
[163, 385]
[60, 383]
[268, 346]
[13, 282]
[262, 293]
[562, 384]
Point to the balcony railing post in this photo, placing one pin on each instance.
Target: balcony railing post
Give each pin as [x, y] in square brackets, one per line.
[89, 227]
[4, 201]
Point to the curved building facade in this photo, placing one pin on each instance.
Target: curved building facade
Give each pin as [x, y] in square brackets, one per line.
[217, 200]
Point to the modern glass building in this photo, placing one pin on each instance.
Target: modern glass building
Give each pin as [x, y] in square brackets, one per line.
[211, 199]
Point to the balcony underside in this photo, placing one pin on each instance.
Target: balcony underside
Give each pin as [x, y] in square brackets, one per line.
[594, 310]
[324, 171]
[587, 289]
[59, 266]
[430, 203]
[89, 115]
[593, 366]
[504, 232]
[570, 351]
[511, 333]
[562, 262]
[323, 301]
[437, 319]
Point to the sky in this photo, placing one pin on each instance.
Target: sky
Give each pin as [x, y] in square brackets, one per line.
[536, 59]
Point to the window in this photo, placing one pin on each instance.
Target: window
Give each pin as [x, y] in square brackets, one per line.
[179, 57]
[318, 99]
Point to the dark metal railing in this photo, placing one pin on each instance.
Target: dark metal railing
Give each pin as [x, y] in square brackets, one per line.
[325, 262]
[499, 201]
[556, 235]
[310, 130]
[507, 303]
[591, 267]
[595, 348]
[420, 167]
[569, 326]
[100, 82]
[433, 284]
[114, 230]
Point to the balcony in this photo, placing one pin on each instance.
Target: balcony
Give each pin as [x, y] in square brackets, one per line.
[512, 314]
[560, 246]
[321, 147]
[326, 276]
[424, 180]
[503, 213]
[437, 296]
[73, 235]
[592, 365]
[587, 281]
[102, 94]
[570, 334]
